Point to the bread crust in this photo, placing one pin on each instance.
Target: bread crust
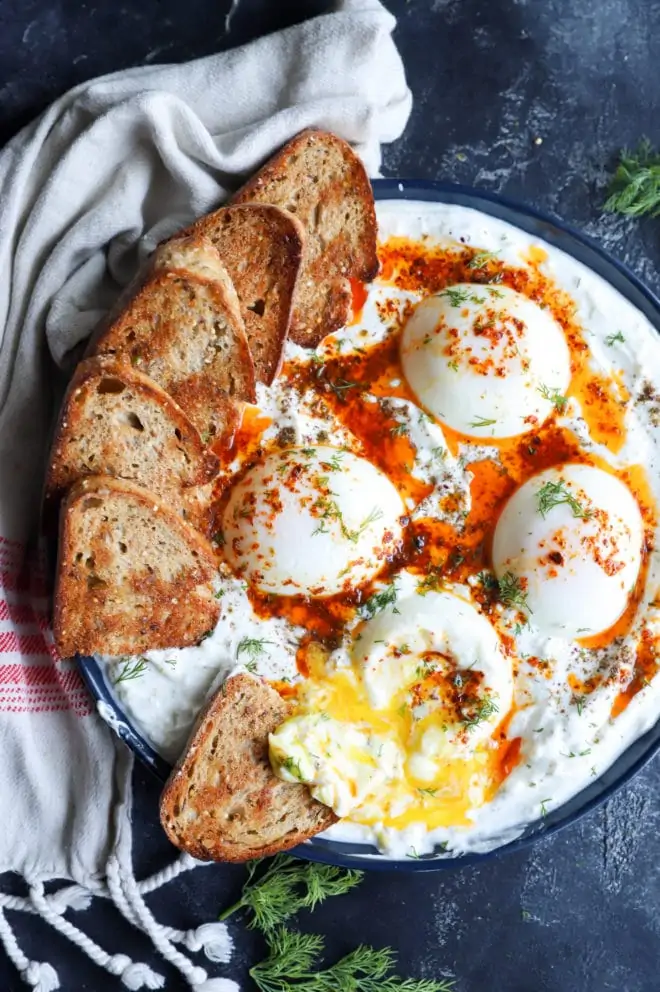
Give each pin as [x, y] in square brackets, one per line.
[116, 421]
[132, 575]
[237, 809]
[318, 176]
[262, 249]
[181, 324]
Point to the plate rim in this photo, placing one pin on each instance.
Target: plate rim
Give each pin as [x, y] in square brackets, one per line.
[337, 852]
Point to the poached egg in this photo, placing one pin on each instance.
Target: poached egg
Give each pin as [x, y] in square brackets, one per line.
[485, 360]
[310, 521]
[572, 536]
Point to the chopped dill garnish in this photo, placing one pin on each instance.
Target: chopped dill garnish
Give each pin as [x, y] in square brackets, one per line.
[457, 297]
[553, 494]
[511, 592]
[482, 259]
[380, 601]
[341, 386]
[431, 582]
[453, 365]
[399, 431]
[292, 766]
[482, 422]
[484, 709]
[132, 669]
[425, 669]
[334, 464]
[253, 647]
[611, 339]
[354, 535]
[555, 396]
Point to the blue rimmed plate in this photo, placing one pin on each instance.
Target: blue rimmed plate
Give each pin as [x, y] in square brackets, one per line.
[637, 754]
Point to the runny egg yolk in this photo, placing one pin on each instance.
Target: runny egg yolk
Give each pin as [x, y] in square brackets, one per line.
[409, 732]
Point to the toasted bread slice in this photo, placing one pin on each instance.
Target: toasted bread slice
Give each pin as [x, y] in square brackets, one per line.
[223, 802]
[261, 247]
[320, 179]
[117, 421]
[182, 326]
[131, 575]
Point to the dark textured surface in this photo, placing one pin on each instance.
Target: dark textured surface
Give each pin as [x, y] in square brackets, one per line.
[579, 911]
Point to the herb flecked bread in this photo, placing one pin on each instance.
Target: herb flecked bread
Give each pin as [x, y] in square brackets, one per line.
[116, 421]
[319, 178]
[182, 326]
[223, 802]
[261, 247]
[132, 576]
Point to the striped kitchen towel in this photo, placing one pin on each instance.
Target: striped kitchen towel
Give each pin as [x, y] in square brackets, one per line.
[86, 192]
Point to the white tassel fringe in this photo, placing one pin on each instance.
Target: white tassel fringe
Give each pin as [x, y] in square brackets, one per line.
[127, 894]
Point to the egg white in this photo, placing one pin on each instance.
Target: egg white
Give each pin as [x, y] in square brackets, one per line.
[573, 537]
[564, 747]
[485, 360]
[311, 521]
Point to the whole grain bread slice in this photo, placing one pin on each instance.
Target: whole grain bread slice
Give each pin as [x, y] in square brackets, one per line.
[261, 247]
[181, 325]
[223, 802]
[117, 421]
[320, 179]
[131, 574]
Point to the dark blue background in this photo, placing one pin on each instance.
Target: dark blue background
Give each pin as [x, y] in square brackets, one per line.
[490, 77]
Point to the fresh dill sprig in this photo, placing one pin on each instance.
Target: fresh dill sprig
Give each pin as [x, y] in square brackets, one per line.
[511, 592]
[331, 511]
[253, 647]
[555, 396]
[635, 187]
[286, 887]
[611, 339]
[293, 958]
[132, 669]
[399, 431]
[553, 494]
[578, 702]
[482, 422]
[482, 258]
[488, 581]
[340, 386]
[379, 601]
[484, 709]
[371, 518]
[457, 297]
[431, 582]
[334, 464]
[292, 766]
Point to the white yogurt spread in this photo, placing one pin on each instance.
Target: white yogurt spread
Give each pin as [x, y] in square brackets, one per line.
[568, 737]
